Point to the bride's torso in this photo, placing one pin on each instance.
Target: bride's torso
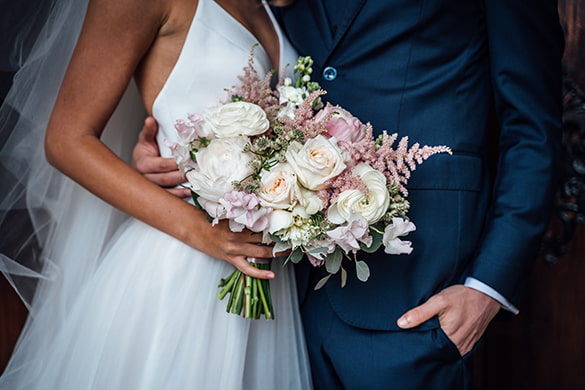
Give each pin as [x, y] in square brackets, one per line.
[215, 50]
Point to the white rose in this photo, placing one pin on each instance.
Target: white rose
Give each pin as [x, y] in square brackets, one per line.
[309, 201]
[315, 162]
[372, 206]
[218, 165]
[235, 119]
[279, 187]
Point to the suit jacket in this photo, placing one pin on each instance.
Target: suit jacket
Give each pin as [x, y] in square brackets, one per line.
[432, 70]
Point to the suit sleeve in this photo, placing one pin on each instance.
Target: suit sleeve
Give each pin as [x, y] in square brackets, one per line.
[525, 43]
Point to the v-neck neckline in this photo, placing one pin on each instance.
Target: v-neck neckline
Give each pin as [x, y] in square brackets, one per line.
[275, 28]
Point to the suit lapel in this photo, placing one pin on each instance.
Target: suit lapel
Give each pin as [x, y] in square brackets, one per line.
[341, 19]
[318, 26]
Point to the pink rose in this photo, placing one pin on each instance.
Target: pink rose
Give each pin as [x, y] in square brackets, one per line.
[346, 128]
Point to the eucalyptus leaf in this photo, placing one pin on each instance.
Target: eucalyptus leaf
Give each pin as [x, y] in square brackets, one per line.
[275, 238]
[295, 256]
[376, 242]
[362, 270]
[333, 261]
[322, 282]
[343, 277]
[317, 250]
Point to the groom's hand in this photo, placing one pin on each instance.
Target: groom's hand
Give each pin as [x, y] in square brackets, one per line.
[464, 314]
[146, 159]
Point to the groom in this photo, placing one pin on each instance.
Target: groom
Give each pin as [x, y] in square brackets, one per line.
[433, 70]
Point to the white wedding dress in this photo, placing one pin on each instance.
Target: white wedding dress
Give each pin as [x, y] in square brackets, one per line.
[149, 316]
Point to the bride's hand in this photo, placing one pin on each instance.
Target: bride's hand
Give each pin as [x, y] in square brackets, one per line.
[235, 247]
[161, 171]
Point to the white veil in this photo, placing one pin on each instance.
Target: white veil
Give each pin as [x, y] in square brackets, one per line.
[52, 231]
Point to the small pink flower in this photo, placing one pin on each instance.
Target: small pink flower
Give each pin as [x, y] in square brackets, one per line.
[346, 128]
[244, 211]
[394, 245]
[347, 237]
[182, 154]
[190, 129]
[214, 209]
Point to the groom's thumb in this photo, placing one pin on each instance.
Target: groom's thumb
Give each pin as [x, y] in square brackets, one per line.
[419, 314]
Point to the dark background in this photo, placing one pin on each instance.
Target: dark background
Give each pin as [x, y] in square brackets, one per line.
[541, 348]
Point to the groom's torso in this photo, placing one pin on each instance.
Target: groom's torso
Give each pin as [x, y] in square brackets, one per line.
[419, 68]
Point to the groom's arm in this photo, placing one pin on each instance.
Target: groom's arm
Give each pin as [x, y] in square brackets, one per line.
[146, 159]
[525, 46]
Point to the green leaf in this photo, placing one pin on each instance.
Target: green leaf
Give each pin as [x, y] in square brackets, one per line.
[195, 198]
[343, 277]
[333, 261]
[276, 238]
[376, 242]
[295, 256]
[322, 282]
[317, 250]
[362, 270]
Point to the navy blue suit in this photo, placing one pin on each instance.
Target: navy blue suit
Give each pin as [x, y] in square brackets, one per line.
[433, 70]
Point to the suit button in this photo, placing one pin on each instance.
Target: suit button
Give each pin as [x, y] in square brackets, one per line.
[329, 73]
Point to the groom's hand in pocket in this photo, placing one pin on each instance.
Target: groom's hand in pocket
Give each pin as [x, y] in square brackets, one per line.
[464, 314]
[146, 159]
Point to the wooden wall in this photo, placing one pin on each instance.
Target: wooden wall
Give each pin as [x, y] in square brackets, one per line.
[543, 348]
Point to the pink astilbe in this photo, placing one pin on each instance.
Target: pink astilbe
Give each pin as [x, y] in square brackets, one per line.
[395, 163]
[304, 118]
[254, 89]
[343, 182]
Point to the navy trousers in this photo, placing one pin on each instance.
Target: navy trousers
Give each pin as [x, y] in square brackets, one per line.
[345, 357]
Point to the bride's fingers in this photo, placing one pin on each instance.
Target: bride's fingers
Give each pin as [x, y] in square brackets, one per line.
[283, 253]
[258, 251]
[253, 237]
[243, 265]
[167, 179]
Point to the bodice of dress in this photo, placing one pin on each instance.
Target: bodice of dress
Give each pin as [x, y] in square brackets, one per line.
[216, 50]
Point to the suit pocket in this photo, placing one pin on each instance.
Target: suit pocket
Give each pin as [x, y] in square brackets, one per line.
[462, 172]
[446, 347]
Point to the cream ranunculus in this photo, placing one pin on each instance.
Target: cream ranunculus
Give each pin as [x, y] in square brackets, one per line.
[218, 165]
[315, 162]
[279, 187]
[372, 206]
[235, 119]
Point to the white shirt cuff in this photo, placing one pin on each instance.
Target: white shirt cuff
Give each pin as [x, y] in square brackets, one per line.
[487, 290]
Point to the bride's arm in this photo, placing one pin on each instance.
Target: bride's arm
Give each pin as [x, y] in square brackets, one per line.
[116, 36]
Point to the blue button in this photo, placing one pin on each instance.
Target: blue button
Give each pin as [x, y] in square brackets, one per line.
[330, 73]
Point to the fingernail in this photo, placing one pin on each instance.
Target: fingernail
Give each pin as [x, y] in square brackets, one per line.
[270, 275]
[402, 322]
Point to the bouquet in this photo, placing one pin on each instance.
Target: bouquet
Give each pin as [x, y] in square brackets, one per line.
[310, 177]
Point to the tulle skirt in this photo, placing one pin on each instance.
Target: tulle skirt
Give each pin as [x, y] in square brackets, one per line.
[149, 318]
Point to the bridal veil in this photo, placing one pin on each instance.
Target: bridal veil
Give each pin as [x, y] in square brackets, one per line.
[52, 230]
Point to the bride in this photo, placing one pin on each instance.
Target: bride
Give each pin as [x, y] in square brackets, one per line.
[133, 305]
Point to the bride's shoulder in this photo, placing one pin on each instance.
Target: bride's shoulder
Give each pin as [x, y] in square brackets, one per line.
[178, 16]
